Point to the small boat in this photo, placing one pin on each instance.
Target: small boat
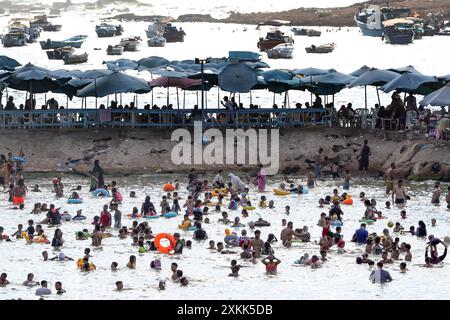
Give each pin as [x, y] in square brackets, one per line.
[105, 30]
[173, 34]
[130, 44]
[398, 31]
[33, 33]
[156, 41]
[116, 50]
[75, 58]
[370, 19]
[313, 33]
[326, 48]
[155, 29]
[14, 39]
[444, 32]
[300, 32]
[42, 22]
[281, 51]
[273, 39]
[59, 53]
[75, 42]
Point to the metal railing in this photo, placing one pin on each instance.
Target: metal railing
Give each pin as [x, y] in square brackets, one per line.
[142, 118]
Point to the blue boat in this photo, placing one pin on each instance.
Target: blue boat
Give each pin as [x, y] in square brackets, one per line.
[74, 42]
[370, 19]
[399, 31]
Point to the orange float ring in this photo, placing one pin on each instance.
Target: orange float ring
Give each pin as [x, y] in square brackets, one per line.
[348, 201]
[168, 187]
[167, 236]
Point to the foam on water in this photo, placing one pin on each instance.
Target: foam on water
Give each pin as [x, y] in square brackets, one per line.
[340, 277]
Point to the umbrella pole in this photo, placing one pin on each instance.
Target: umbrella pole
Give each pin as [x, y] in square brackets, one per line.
[285, 99]
[96, 102]
[218, 97]
[152, 97]
[273, 99]
[67, 102]
[184, 99]
[178, 100]
[378, 95]
[250, 97]
[365, 96]
[167, 104]
[197, 97]
[115, 97]
[107, 101]
[121, 99]
[239, 98]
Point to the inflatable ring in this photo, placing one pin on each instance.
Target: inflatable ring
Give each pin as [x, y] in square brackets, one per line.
[249, 208]
[280, 192]
[305, 190]
[105, 193]
[168, 187]
[167, 236]
[41, 240]
[169, 215]
[367, 221]
[80, 264]
[348, 201]
[75, 201]
[152, 217]
[131, 216]
[193, 228]
[337, 224]
[19, 159]
[231, 240]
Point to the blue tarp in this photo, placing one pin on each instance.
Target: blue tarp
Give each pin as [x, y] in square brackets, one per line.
[439, 97]
[114, 83]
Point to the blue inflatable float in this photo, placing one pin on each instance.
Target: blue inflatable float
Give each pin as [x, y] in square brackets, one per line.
[152, 217]
[74, 201]
[19, 159]
[105, 193]
[192, 228]
[337, 223]
[169, 215]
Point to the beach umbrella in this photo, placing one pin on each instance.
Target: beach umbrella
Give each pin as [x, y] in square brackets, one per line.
[402, 70]
[237, 77]
[7, 63]
[31, 67]
[33, 81]
[95, 73]
[172, 74]
[374, 77]
[121, 65]
[241, 56]
[306, 72]
[65, 74]
[257, 65]
[360, 71]
[328, 84]
[182, 83]
[445, 78]
[439, 97]
[151, 62]
[71, 87]
[115, 82]
[413, 83]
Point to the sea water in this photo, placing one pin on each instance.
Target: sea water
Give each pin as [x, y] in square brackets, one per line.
[207, 271]
[429, 55]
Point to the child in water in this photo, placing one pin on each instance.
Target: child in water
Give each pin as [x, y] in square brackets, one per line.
[262, 202]
[234, 269]
[271, 204]
[132, 262]
[287, 210]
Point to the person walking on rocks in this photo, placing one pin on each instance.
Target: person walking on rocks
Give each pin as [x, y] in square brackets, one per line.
[364, 157]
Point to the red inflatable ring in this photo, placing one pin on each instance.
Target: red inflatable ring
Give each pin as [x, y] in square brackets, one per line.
[167, 236]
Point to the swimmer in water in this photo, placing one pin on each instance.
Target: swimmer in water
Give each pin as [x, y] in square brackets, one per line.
[433, 222]
[436, 193]
[403, 268]
[132, 262]
[287, 210]
[271, 264]
[162, 285]
[114, 266]
[119, 285]
[234, 269]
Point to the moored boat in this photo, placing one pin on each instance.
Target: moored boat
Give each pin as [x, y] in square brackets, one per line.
[398, 31]
[313, 33]
[370, 19]
[75, 42]
[105, 30]
[42, 22]
[116, 50]
[59, 53]
[75, 58]
[273, 39]
[155, 29]
[300, 31]
[130, 44]
[14, 39]
[281, 51]
[173, 34]
[326, 48]
[156, 41]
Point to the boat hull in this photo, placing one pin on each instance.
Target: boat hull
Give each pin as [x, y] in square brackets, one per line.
[366, 31]
[48, 45]
[400, 38]
[75, 59]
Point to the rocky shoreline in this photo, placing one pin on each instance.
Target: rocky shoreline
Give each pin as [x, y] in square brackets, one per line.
[137, 151]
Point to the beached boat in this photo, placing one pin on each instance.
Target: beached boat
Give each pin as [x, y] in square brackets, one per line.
[105, 30]
[60, 53]
[173, 34]
[326, 48]
[42, 22]
[156, 41]
[281, 51]
[116, 50]
[130, 44]
[155, 29]
[75, 58]
[444, 32]
[398, 31]
[370, 19]
[32, 33]
[273, 39]
[300, 31]
[313, 33]
[75, 42]
[14, 39]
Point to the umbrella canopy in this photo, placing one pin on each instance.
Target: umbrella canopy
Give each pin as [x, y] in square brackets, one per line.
[183, 83]
[311, 71]
[33, 81]
[152, 62]
[95, 73]
[329, 83]
[439, 97]
[65, 74]
[170, 73]
[7, 63]
[237, 77]
[29, 67]
[374, 77]
[244, 56]
[405, 69]
[276, 74]
[413, 83]
[360, 71]
[115, 82]
[121, 65]
[445, 78]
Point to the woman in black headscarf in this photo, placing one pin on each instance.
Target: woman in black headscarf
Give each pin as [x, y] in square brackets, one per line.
[98, 173]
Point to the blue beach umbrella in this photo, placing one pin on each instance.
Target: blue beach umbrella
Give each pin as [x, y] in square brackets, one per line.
[360, 71]
[439, 97]
[151, 62]
[374, 77]
[328, 84]
[237, 77]
[7, 63]
[413, 83]
[121, 65]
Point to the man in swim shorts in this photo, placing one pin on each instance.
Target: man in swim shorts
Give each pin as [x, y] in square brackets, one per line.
[271, 264]
[399, 193]
[389, 180]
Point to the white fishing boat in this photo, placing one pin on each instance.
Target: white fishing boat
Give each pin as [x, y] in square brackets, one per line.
[155, 29]
[75, 58]
[130, 44]
[156, 41]
[281, 51]
[116, 50]
[326, 48]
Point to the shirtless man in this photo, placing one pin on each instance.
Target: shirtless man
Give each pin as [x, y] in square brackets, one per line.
[399, 193]
[310, 177]
[347, 177]
[257, 244]
[220, 248]
[271, 264]
[287, 234]
[436, 193]
[389, 179]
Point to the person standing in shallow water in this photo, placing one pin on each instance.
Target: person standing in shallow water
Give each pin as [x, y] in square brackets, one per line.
[98, 173]
[261, 178]
[364, 157]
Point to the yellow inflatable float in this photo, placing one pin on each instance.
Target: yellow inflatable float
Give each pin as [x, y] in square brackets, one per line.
[280, 192]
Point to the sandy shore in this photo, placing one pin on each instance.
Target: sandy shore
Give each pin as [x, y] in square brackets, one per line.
[134, 151]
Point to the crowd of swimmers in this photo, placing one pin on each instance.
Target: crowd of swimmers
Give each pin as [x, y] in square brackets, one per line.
[206, 199]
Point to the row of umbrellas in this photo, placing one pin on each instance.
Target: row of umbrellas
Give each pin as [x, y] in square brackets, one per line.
[240, 72]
